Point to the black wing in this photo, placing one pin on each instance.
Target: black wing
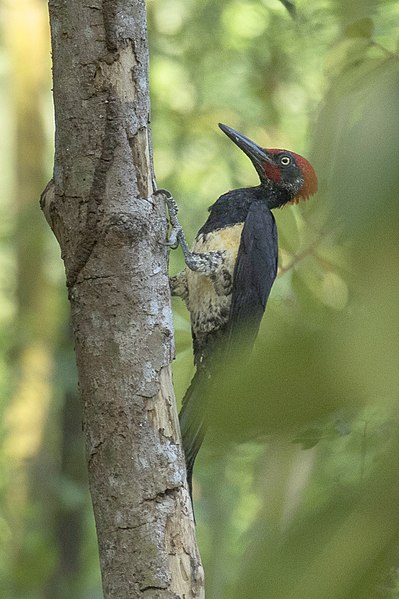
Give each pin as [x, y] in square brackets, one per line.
[254, 273]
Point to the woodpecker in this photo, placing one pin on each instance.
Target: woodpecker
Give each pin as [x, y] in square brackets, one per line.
[230, 270]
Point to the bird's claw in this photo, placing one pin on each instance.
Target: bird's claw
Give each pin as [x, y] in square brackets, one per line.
[174, 238]
[176, 231]
[172, 242]
[177, 237]
[169, 199]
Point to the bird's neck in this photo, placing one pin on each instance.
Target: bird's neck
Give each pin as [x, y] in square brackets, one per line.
[274, 198]
[232, 207]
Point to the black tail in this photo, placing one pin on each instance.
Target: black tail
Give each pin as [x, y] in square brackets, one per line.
[193, 420]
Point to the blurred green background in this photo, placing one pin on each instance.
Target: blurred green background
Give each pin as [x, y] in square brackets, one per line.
[297, 488]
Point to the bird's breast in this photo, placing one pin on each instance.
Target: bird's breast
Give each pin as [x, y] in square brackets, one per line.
[226, 239]
[209, 297]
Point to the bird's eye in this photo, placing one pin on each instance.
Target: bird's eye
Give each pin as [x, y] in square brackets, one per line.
[285, 160]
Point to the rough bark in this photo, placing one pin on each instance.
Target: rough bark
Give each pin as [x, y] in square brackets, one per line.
[109, 225]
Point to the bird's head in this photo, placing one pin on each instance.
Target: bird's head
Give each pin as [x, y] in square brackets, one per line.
[288, 177]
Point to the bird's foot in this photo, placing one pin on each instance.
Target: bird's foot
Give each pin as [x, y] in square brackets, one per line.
[176, 236]
[206, 263]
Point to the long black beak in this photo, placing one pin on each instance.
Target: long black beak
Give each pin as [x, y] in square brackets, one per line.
[257, 154]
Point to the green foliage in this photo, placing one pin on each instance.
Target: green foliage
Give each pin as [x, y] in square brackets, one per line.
[276, 519]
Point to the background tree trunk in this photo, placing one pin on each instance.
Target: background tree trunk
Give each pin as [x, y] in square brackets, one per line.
[108, 225]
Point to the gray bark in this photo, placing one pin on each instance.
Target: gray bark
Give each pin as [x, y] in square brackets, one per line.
[109, 225]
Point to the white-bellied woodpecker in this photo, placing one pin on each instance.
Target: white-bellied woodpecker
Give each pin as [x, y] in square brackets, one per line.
[231, 269]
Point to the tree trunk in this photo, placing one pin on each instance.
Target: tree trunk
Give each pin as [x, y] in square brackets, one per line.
[109, 225]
